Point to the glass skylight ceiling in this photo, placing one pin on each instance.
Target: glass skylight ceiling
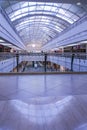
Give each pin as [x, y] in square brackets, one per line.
[40, 22]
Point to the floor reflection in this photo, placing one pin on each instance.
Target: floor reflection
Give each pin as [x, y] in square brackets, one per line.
[69, 113]
[82, 127]
[38, 111]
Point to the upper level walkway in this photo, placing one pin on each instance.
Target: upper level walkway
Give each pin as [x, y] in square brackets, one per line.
[74, 62]
[43, 102]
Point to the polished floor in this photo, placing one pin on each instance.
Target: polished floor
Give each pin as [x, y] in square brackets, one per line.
[43, 102]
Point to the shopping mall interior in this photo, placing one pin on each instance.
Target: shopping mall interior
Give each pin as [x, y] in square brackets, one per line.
[43, 65]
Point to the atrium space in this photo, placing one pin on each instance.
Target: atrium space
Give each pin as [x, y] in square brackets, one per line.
[43, 64]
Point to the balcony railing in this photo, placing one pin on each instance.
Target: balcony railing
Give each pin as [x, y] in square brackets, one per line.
[43, 62]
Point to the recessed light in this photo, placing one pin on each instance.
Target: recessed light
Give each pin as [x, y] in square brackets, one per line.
[33, 45]
[78, 3]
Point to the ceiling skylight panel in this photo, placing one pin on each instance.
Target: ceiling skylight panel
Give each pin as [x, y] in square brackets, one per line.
[41, 23]
[23, 10]
[73, 8]
[33, 17]
[40, 3]
[17, 12]
[30, 26]
[24, 4]
[61, 11]
[13, 18]
[32, 3]
[22, 26]
[15, 6]
[81, 14]
[58, 28]
[24, 14]
[45, 20]
[66, 6]
[48, 38]
[75, 18]
[49, 12]
[68, 14]
[54, 9]
[41, 12]
[24, 22]
[48, 4]
[41, 20]
[45, 29]
[47, 8]
[11, 15]
[32, 8]
[19, 28]
[51, 34]
[34, 20]
[58, 4]
[65, 18]
[8, 10]
[17, 17]
[39, 7]
[36, 12]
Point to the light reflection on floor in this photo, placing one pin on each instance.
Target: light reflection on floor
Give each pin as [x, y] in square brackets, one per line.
[54, 103]
[35, 110]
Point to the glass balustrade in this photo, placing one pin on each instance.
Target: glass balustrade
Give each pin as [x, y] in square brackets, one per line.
[43, 62]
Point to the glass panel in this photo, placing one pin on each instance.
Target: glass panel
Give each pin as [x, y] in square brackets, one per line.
[68, 14]
[17, 12]
[17, 17]
[25, 14]
[49, 18]
[24, 4]
[32, 8]
[32, 3]
[8, 10]
[73, 8]
[82, 14]
[54, 9]
[15, 7]
[25, 23]
[65, 18]
[24, 10]
[66, 6]
[75, 18]
[48, 8]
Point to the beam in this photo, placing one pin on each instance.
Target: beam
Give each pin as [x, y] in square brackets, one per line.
[76, 33]
[8, 33]
[55, 1]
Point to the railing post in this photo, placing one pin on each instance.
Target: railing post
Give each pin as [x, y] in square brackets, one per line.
[72, 59]
[45, 59]
[17, 60]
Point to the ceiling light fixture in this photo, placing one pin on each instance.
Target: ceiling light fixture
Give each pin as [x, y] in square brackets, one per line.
[78, 3]
[33, 45]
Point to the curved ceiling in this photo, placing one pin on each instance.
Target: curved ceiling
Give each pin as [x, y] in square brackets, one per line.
[39, 22]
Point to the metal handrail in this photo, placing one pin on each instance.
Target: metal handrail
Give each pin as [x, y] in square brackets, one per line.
[67, 55]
